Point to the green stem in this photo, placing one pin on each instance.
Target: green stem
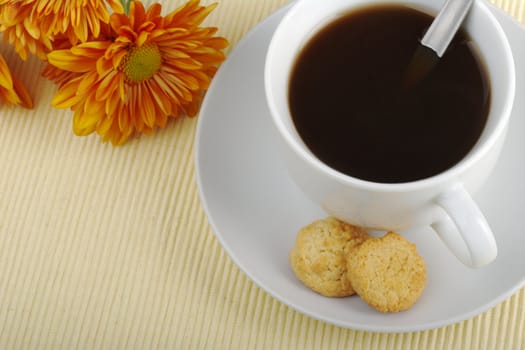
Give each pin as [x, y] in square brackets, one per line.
[125, 4]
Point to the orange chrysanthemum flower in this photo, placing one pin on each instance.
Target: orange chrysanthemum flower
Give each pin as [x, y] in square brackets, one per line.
[19, 30]
[12, 92]
[151, 68]
[31, 25]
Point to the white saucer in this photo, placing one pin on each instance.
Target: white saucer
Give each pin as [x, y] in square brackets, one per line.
[255, 210]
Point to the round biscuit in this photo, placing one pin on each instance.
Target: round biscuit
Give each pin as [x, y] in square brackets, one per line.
[387, 272]
[318, 257]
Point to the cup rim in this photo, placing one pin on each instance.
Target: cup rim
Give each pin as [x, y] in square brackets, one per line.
[479, 150]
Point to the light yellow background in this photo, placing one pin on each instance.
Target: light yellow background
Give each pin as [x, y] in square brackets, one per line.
[109, 248]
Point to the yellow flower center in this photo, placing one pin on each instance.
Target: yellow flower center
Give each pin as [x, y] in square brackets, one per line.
[141, 63]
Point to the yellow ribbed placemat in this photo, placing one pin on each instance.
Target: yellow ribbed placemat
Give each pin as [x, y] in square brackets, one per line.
[109, 248]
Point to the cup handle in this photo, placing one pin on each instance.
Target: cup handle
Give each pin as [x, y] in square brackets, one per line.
[465, 231]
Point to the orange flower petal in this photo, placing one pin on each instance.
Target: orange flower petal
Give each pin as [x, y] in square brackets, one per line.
[107, 86]
[137, 14]
[66, 60]
[91, 49]
[25, 98]
[87, 82]
[104, 126]
[83, 123]
[66, 95]
[6, 80]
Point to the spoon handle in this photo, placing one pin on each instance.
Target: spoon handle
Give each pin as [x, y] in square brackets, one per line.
[445, 25]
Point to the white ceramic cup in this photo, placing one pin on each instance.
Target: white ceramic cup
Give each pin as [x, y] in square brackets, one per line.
[442, 201]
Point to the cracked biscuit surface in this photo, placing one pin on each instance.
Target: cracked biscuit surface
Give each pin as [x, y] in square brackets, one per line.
[387, 272]
[318, 257]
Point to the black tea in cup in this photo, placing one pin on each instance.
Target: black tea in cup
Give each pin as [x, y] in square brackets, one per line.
[351, 109]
